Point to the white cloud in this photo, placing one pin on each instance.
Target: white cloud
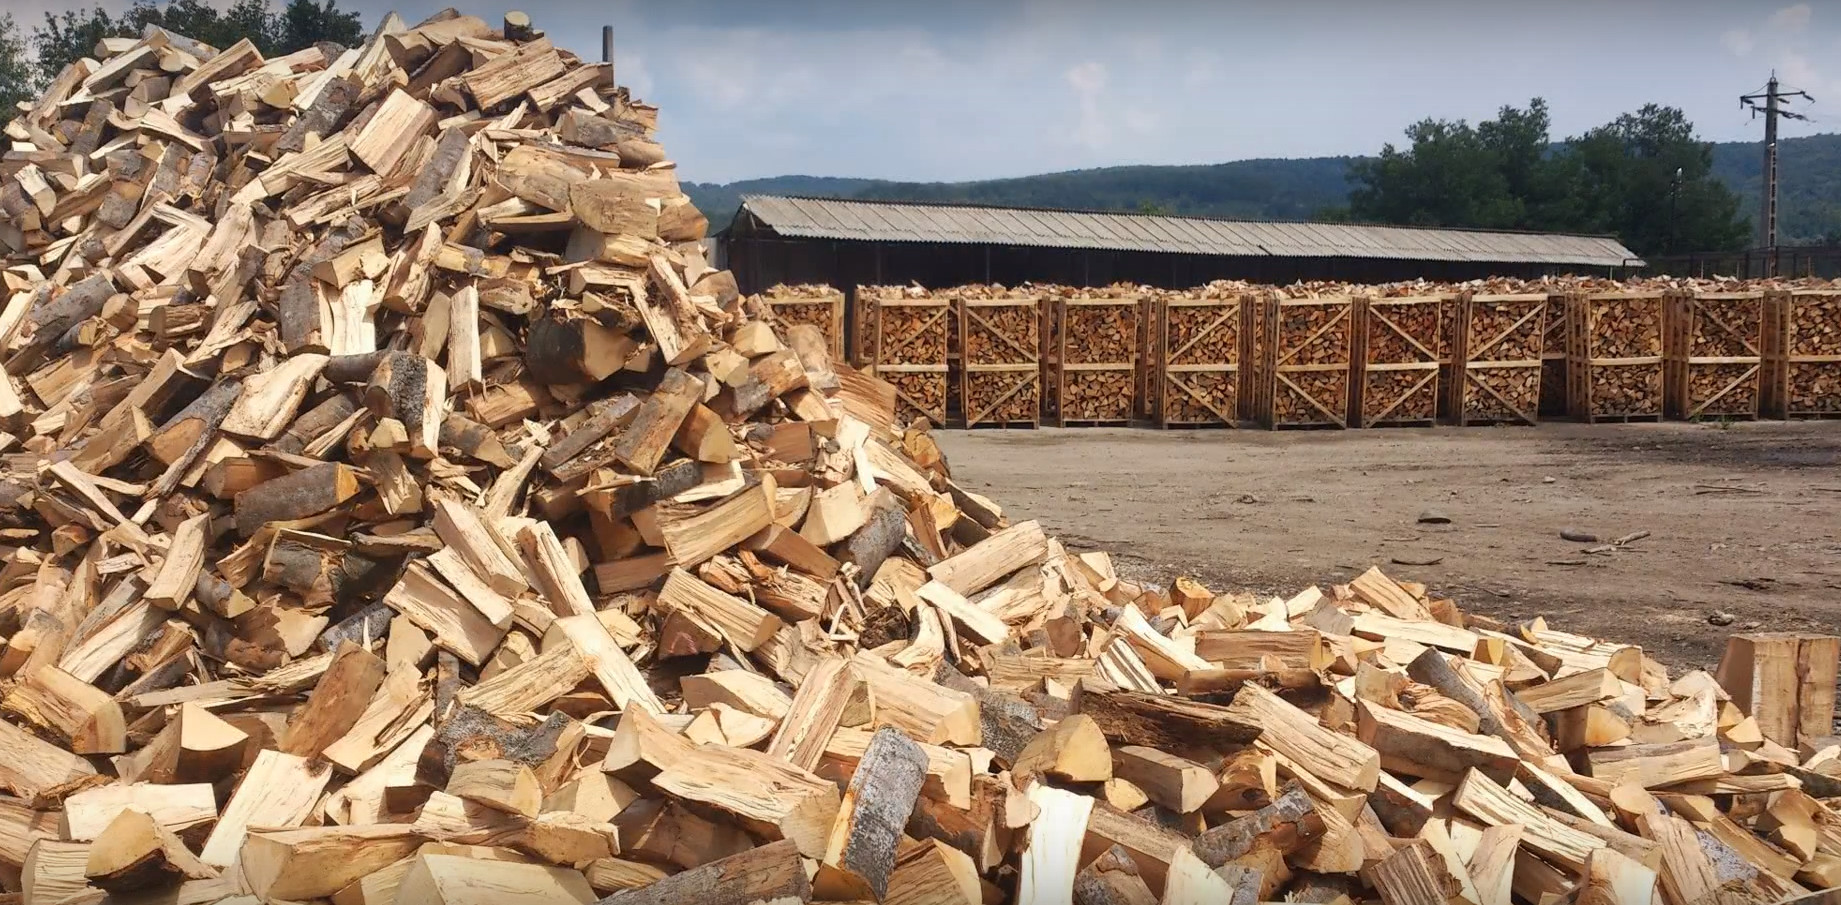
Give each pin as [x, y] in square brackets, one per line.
[1783, 42]
[1739, 41]
[1089, 81]
[631, 71]
[1791, 18]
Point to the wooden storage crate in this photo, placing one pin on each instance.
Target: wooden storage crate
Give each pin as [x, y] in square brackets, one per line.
[1398, 352]
[1555, 385]
[1096, 360]
[820, 306]
[1713, 355]
[1308, 362]
[1202, 349]
[1614, 356]
[1000, 378]
[908, 344]
[1802, 350]
[1496, 364]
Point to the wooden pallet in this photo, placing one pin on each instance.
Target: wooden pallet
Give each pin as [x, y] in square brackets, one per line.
[1308, 364]
[1713, 355]
[1398, 351]
[1802, 353]
[826, 312]
[1497, 360]
[1614, 355]
[1000, 378]
[908, 346]
[1097, 361]
[1202, 348]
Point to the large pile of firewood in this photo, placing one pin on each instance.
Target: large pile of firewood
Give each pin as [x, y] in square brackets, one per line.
[399, 509]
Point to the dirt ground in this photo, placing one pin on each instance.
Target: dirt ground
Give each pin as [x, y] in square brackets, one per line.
[1744, 519]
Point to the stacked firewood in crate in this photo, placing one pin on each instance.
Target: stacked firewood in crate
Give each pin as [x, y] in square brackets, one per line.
[1713, 358]
[999, 355]
[1203, 354]
[1497, 360]
[1615, 354]
[909, 335]
[820, 306]
[1400, 335]
[1096, 357]
[1311, 337]
[1803, 351]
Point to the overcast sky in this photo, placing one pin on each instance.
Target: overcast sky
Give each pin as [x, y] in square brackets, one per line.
[961, 89]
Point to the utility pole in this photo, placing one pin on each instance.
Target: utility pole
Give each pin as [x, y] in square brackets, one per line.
[1767, 219]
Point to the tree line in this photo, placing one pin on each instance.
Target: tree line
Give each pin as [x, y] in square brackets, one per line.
[1642, 177]
[28, 62]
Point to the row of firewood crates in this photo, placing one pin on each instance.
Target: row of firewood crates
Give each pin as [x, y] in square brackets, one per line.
[1098, 357]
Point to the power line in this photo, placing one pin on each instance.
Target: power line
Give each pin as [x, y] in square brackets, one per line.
[1767, 220]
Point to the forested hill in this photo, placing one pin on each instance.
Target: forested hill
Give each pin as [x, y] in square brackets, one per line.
[1302, 189]
[1246, 189]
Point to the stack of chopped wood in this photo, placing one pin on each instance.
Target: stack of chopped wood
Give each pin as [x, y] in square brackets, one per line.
[1312, 344]
[1202, 353]
[1803, 343]
[1096, 357]
[908, 335]
[400, 510]
[1616, 350]
[999, 342]
[817, 305]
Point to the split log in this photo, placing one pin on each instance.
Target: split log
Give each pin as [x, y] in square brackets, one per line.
[1295, 734]
[1162, 722]
[1112, 879]
[1051, 861]
[135, 853]
[771, 872]
[860, 855]
[85, 717]
[298, 495]
[1074, 750]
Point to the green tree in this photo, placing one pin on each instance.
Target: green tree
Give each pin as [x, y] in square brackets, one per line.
[72, 34]
[305, 22]
[15, 68]
[1448, 177]
[1520, 150]
[1644, 178]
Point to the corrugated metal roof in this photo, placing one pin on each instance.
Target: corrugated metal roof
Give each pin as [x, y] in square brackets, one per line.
[880, 221]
